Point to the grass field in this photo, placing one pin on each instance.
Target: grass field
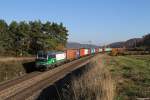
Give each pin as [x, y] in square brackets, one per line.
[131, 74]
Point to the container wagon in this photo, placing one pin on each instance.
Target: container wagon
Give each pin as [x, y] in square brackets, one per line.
[72, 54]
[92, 50]
[82, 52]
[89, 51]
[100, 50]
[103, 50]
[96, 50]
[108, 49]
[85, 52]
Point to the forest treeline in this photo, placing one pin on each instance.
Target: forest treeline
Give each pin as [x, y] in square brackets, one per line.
[24, 38]
[143, 42]
[135, 43]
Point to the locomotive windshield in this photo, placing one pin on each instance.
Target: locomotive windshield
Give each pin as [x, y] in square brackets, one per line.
[46, 55]
[42, 55]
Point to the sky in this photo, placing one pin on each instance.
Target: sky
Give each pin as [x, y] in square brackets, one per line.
[99, 21]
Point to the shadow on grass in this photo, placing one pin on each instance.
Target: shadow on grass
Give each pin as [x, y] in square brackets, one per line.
[29, 67]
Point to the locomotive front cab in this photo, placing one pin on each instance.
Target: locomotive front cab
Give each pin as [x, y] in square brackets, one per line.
[45, 59]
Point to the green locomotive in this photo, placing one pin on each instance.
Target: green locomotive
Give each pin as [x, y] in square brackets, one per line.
[48, 59]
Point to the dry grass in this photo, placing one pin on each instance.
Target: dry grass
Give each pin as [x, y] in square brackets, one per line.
[12, 68]
[11, 59]
[9, 70]
[95, 84]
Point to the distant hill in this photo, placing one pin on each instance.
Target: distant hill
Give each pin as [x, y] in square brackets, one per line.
[143, 42]
[116, 44]
[129, 43]
[132, 42]
[79, 45]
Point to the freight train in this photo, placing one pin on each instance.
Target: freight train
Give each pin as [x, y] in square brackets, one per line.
[49, 59]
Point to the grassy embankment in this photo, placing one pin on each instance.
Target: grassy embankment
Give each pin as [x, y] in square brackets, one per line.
[122, 77]
[12, 68]
[132, 75]
[94, 84]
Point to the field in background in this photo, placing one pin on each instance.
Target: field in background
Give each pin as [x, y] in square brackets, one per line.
[132, 75]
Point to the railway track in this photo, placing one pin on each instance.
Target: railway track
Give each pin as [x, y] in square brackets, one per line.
[29, 86]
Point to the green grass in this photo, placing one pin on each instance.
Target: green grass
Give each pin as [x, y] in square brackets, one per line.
[132, 75]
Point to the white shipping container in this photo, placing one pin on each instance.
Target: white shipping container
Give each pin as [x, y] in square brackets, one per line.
[61, 56]
[85, 51]
[100, 49]
[94, 50]
[108, 49]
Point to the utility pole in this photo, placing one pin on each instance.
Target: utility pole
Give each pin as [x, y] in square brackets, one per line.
[135, 43]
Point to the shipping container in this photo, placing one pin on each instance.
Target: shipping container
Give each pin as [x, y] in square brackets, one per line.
[82, 52]
[60, 56]
[96, 50]
[108, 49]
[89, 51]
[72, 53]
[100, 50]
[86, 51]
[78, 53]
[92, 50]
[103, 50]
